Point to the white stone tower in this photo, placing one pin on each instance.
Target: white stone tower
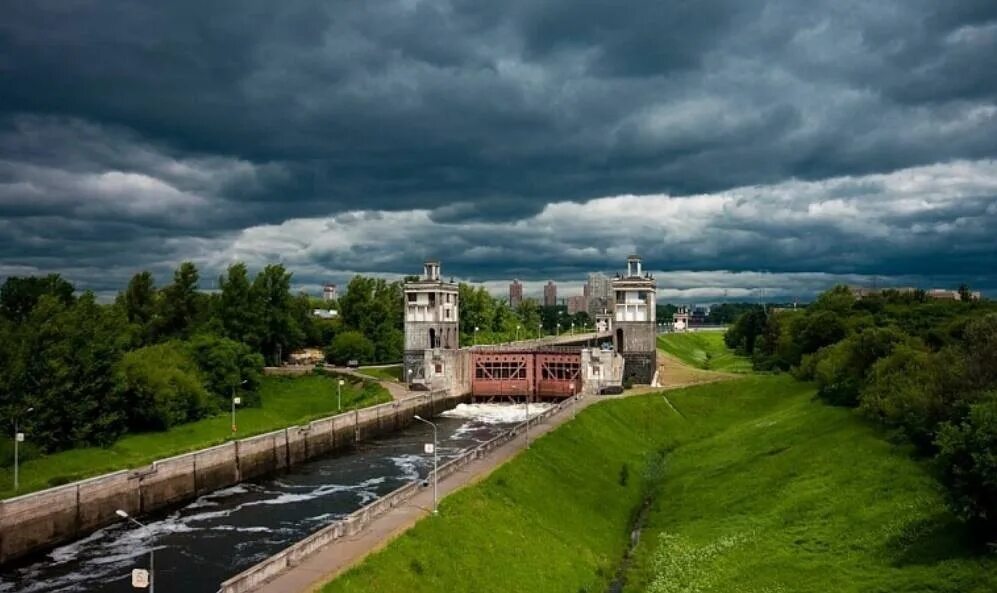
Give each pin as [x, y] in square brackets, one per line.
[432, 325]
[634, 321]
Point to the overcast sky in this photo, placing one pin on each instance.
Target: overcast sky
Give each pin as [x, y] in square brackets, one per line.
[738, 145]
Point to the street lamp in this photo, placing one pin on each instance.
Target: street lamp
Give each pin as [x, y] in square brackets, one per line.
[540, 326]
[236, 401]
[475, 340]
[517, 333]
[339, 393]
[18, 438]
[557, 331]
[152, 550]
[574, 401]
[572, 327]
[436, 459]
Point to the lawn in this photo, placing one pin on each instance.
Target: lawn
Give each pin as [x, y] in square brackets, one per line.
[285, 401]
[385, 373]
[756, 487]
[704, 350]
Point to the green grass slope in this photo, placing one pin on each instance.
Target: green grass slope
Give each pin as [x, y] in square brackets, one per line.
[760, 489]
[385, 373]
[704, 350]
[285, 401]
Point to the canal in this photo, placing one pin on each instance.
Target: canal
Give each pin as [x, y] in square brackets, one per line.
[199, 545]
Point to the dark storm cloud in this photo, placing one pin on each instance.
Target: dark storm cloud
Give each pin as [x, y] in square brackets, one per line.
[132, 133]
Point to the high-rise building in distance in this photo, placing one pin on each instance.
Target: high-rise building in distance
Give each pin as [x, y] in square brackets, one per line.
[515, 294]
[598, 294]
[550, 294]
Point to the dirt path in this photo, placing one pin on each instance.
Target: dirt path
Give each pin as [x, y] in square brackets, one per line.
[342, 554]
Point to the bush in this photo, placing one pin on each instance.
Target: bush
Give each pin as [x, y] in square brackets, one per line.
[162, 387]
[968, 459]
[350, 345]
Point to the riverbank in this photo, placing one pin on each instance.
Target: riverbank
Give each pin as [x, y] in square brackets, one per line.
[761, 489]
[286, 401]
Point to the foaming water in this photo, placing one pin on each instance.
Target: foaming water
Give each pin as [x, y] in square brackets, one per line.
[221, 533]
[496, 413]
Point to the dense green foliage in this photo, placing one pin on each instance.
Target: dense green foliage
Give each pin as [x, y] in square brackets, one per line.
[926, 370]
[751, 489]
[284, 401]
[704, 350]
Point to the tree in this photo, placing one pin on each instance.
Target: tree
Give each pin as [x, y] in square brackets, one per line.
[350, 345]
[181, 303]
[19, 295]
[66, 373]
[842, 368]
[224, 364]
[279, 331]
[162, 387]
[237, 308]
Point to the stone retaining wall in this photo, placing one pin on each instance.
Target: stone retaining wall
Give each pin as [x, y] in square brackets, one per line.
[358, 520]
[36, 522]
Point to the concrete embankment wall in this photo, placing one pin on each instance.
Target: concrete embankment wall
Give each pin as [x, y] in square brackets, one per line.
[358, 520]
[41, 520]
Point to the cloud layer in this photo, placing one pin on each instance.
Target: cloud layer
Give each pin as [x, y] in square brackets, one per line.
[530, 138]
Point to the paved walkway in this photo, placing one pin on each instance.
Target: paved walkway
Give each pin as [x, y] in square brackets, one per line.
[343, 553]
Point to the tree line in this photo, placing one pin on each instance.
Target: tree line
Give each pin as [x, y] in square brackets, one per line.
[925, 370]
[159, 356]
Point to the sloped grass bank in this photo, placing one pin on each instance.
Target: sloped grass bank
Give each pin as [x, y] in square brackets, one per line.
[704, 350]
[802, 498]
[285, 401]
[557, 517]
[762, 489]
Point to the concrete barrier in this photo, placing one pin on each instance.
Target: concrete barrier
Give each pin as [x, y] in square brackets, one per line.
[36, 522]
[355, 522]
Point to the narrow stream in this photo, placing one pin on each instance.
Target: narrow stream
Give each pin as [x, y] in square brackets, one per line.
[640, 519]
[222, 533]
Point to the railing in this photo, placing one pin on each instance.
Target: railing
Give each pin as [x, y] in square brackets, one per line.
[356, 521]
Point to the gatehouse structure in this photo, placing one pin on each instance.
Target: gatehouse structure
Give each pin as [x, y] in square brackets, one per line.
[622, 347]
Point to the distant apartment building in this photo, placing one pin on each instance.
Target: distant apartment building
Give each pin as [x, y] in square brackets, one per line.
[550, 294]
[577, 304]
[329, 292]
[597, 293]
[515, 294]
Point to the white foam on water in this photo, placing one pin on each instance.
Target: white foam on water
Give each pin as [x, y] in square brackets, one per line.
[409, 465]
[496, 413]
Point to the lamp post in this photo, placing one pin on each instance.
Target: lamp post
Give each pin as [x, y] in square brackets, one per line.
[436, 459]
[517, 333]
[574, 401]
[152, 550]
[475, 341]
[572, 327]
[339, 393]
[540, 326]
[236, 401]
[18, 438]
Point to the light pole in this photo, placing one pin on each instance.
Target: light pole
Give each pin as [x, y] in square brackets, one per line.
[339, 393]
[574, 401]
[517, 333]
[475, 341]
[236, 401]
[557, 328]
[152, 550]
[18, 438]
[572, 327]
[540, 327]
[436, 459]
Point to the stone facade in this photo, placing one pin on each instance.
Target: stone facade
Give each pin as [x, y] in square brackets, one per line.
[634, 313]
[432, 324]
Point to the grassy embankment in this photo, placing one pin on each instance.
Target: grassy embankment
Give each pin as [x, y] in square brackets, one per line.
[285, 401]
[704, 350]
[384, 373]
[761, 489]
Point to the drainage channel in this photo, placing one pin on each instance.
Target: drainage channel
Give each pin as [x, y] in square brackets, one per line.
[222, 533]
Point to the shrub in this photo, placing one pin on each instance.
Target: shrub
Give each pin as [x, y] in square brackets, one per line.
[162, 387]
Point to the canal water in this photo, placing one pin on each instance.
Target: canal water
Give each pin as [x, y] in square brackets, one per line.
[222, 533]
